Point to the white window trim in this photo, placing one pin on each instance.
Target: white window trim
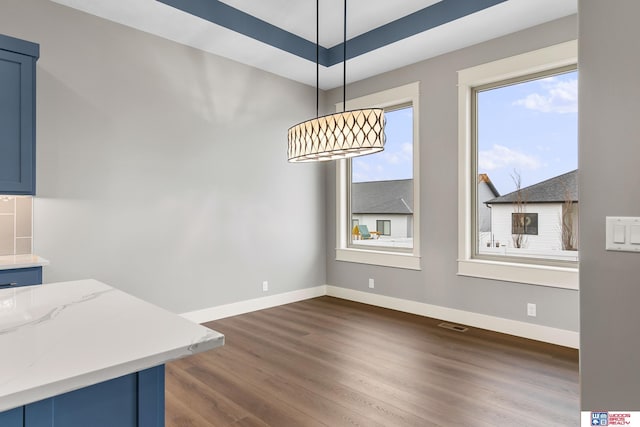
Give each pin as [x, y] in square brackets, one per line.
[548, 58]
[380, 256]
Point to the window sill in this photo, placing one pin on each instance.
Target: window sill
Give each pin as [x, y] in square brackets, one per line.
[531, 274]
[380, 258]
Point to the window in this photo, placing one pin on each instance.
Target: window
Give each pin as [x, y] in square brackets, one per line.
[524, 223]
[380, 190]
[518, 168]
[382, 184]
[354, 223]
[525, 152]
[383, 227]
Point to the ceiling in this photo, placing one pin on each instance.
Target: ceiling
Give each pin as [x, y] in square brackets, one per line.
[279, 36]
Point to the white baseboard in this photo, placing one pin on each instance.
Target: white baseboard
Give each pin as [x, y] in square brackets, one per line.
[497, 324]
[241, 307]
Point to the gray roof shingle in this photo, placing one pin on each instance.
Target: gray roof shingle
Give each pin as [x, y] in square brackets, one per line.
[382, 197]
[553, 190]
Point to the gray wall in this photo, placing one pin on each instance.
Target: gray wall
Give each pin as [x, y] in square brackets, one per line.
[609, 183]
[162, 170]
[438, 283]
[144, 179]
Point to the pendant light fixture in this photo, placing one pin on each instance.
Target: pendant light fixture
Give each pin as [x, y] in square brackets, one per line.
[341, 135]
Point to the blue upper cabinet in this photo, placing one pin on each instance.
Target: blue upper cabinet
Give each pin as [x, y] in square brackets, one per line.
[18, 115]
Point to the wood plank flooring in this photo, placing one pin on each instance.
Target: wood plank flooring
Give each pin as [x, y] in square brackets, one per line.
[331, 362]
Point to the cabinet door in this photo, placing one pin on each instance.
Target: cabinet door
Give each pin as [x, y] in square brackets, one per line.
[12, 418]
[20, 277]
[17, 123]
[107, 404]
[134, 400]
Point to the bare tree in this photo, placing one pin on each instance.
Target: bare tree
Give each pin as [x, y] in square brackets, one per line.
[519, 209]
[569, 237]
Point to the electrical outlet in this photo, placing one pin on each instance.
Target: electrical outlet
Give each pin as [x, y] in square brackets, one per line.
[371, 283]
[265, 286]
[531, 309]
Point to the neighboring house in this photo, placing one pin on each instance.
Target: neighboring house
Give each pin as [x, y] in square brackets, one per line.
[384, 206]
[486, 191]
[548, 215]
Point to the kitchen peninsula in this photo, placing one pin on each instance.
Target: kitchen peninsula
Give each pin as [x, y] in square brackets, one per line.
[84, 353]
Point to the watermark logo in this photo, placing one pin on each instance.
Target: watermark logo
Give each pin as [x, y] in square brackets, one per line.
[599, 418]
[610, 418]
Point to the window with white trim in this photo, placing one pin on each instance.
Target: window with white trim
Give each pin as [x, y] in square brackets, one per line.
[379, 192]
[524, 144]
[517, 148]
[383, 227]
[382, 184]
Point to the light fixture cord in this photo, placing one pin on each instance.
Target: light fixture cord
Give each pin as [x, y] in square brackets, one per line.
[317, 58]
[344, 67]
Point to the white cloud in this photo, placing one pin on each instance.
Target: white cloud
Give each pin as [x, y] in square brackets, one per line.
[558, 96]
[392, 158]
[500, 157]
[395, 162]
[402, 154]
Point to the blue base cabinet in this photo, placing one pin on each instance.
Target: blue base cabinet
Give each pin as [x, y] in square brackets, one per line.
[16, 277]
[12, 418]
[135, 400]
[17, 119]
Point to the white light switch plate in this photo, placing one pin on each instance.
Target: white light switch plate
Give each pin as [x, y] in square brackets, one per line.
[623, 233]
[634, 237]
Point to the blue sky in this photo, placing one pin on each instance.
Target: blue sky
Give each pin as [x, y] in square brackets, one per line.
[530, 128]
[396, 161]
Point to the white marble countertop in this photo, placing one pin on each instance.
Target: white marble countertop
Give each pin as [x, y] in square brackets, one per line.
[21, 261]
[60, 337]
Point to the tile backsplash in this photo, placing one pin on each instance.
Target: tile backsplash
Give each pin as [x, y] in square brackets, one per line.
[16, 231]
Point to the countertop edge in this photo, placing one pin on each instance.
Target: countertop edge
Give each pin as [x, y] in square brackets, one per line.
[71, 335]
[25, 397]
[11, 262]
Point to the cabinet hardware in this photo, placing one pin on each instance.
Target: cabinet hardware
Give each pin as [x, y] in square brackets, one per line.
[8, 285]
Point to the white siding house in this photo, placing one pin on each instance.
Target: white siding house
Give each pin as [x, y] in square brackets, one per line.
[549, 226]
[486, 191]
[546, 222]
[384, 206]
[400, 226]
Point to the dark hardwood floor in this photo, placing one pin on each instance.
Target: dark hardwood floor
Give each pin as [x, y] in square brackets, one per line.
[331, 362]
